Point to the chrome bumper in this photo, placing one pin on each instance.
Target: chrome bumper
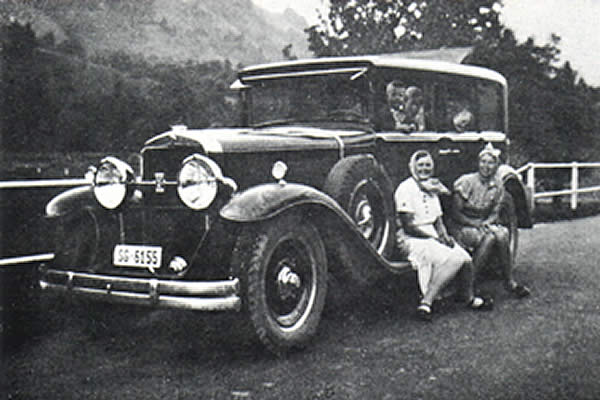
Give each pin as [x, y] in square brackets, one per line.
[203, 296]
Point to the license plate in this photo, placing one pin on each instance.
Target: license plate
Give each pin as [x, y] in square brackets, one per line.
[128, 255]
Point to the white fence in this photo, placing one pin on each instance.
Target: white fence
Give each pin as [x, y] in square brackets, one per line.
[43, 183]
[36, 184]
[573, 191]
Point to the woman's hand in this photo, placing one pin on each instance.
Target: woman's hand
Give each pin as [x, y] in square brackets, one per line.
[488, 224]
[446, 240]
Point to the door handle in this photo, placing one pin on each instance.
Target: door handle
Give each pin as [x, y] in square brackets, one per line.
[444, 152]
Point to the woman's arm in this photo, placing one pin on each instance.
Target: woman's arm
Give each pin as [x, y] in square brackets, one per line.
[458, 206]
[410, 228]
[494, 216]
[443, 235]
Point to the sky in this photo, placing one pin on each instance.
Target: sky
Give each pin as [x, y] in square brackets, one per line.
[577, 22]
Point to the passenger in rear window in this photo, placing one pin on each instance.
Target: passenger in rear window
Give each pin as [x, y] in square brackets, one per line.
[415, 110]
[405, 107]
[462, 121]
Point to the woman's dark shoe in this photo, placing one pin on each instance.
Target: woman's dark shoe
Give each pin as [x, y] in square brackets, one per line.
[518, 290]
[424, 312]
[480, 303]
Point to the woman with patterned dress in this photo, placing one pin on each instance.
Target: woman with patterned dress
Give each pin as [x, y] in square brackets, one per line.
[475, 217]
[425, 240]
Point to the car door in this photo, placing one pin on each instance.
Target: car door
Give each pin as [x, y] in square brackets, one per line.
[467, 114]
[453, 143]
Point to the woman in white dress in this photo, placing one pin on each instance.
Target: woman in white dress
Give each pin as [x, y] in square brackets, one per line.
[424, 238]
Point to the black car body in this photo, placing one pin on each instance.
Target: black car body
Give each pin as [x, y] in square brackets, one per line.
[250, 218]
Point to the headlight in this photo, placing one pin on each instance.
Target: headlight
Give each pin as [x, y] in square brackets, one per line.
[197, 182]
[110, 182]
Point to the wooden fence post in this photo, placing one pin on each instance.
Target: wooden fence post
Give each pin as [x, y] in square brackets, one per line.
[574, 184]
[531, 184]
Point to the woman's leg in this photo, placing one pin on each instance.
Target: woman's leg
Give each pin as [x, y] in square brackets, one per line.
[440, 277]
[503, 246]
[502, 240]
[466, 281]
[483, 251]
[458, 263]
[467, 290]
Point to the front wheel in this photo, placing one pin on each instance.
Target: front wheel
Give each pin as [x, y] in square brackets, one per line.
[283, 270]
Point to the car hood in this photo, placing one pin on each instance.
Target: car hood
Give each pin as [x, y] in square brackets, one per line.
[240, 140]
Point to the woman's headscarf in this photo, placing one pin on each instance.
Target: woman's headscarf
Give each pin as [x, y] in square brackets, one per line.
[429, 185]
[491, 150]
[495, 154]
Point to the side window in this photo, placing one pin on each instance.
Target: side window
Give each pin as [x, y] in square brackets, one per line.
[460, 107]
[491, 105]
[346, 98]
[454, 106]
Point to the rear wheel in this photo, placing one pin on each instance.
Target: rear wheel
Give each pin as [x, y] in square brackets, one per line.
[283, 269]
[508, 216]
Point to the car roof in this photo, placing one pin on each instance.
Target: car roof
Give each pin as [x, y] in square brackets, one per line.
[440, 61]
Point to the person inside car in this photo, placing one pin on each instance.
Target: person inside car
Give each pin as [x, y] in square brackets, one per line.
[395, 114]
[415, 110]
[475, 217]
[424, 238]
[405, 106]
[462, 120]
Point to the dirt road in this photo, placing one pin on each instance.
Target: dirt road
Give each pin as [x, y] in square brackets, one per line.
[544, 347]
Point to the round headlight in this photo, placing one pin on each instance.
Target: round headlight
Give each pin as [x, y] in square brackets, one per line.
[110, 182]
[197, 181]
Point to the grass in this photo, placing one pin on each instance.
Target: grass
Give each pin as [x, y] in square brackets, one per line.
[561, 210]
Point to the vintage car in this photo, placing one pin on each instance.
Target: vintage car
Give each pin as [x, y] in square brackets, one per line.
[253, 219]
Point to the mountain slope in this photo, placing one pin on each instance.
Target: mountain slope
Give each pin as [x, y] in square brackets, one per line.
[168, 30]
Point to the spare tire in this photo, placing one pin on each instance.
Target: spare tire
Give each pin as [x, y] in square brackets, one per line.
[364, 190]
[508, 217]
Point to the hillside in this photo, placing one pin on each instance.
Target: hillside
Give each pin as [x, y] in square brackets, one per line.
[166, 30]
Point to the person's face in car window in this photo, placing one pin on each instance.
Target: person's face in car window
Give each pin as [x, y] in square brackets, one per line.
[395, 97]
[413, 102]
[462, 120]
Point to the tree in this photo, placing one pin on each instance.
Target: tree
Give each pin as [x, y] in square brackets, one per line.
[23, 103]
[287, 53]
[457, 23]
[384, 26]
[551, 112]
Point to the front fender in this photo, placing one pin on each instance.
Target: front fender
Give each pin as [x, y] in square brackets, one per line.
[268, 200]
[514, 185]
[71, 200]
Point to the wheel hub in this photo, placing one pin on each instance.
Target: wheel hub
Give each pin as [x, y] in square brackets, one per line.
[364, 218]
[288, 282]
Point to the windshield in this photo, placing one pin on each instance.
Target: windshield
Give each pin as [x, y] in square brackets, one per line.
[321, 98]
